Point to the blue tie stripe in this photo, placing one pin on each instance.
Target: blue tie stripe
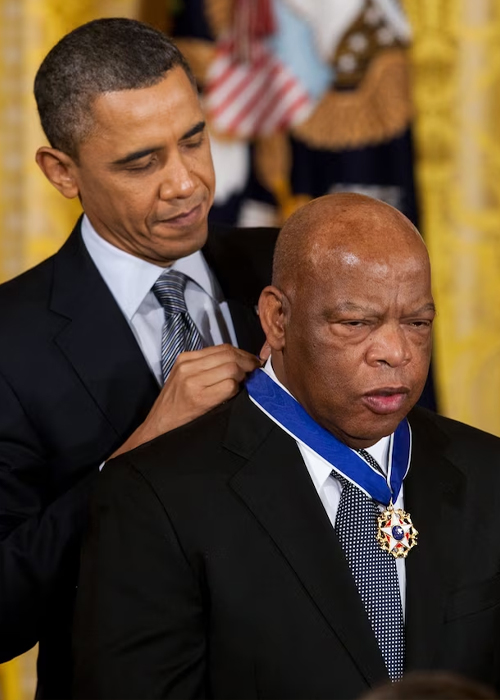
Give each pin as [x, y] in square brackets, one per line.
[179, 333]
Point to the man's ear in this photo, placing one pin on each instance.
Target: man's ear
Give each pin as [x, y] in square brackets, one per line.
[272, 305]
[58, 168]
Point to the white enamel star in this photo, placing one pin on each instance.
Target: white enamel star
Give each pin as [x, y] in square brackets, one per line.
[396, 521]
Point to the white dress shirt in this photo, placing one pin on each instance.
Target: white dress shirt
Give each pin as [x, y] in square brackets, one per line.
[130, 280]
[329, 488]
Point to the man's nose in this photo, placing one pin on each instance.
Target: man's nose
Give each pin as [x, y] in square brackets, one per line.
[389, 346]
[177, 178]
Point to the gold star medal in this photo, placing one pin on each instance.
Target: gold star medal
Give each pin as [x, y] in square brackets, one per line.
[396, 533]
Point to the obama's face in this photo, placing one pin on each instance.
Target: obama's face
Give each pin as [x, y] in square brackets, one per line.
[144, 174]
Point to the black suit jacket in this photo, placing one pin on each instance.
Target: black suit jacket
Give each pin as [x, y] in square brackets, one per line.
[73, 385]
[212, 570]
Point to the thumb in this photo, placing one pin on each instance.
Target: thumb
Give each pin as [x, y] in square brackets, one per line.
[265, 352]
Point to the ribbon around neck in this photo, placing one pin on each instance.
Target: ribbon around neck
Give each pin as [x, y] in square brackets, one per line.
[295, 420]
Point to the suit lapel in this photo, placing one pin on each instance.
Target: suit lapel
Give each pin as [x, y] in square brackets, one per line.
[433, 495]
[276, 487]
[98, 341]
[101, 347]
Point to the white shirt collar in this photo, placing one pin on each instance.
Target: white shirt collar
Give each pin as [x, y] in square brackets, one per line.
[130, 278]
[319, 468]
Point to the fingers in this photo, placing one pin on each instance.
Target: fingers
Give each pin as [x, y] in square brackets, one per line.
[265, 352]
[220, 392]
[199, 381]
[226, 371]
[199, 361]
[211, 351]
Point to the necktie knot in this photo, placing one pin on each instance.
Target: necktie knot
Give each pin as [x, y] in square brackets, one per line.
[179, 332]
[169, 290]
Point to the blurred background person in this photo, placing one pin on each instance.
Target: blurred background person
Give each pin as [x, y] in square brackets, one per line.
[435, 685]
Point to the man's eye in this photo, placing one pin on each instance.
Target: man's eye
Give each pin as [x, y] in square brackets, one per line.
[141, 168]
[194, 143]
[421, 323]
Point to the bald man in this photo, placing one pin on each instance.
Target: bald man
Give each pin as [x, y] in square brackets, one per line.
[317, 534]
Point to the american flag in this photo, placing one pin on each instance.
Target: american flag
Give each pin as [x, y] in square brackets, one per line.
[249, 91]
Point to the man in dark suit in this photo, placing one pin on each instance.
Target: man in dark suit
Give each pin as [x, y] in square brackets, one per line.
[85, 345]
[270, 548]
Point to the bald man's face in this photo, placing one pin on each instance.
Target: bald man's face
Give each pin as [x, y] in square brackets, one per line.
[357, 338]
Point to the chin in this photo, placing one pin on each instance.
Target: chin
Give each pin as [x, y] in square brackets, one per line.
[367, 432]
[383, 429]
[181, 245]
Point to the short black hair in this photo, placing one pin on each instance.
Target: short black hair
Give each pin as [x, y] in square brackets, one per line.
[104, 55]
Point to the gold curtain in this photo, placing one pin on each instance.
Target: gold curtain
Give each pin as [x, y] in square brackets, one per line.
[34, 218]
[456, 64]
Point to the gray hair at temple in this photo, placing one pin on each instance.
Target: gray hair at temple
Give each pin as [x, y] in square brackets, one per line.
[104, 55]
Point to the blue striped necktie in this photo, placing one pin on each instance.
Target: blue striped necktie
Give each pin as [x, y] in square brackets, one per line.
[374, 571]
[179, 332]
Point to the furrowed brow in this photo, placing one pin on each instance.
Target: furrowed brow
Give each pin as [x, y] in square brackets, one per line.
[347, 306]
[427, 307]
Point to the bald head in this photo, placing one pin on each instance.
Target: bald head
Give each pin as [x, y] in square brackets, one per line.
[336, 228]
[349, 315]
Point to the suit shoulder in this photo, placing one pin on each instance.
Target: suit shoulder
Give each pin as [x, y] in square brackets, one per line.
[27, 286]
[24, 299]
[240, 238]
[216, 444]
[463, 440]
[33, 287]
[190, 449]
[241, 259]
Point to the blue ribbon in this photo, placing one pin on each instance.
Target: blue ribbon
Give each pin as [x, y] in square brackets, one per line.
[294, 419]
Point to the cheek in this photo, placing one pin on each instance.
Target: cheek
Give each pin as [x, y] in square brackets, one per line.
[208, 178]
[333, 358]
[118, 196]
[201, 163]
[137, 199]
[421, 351]
[331, 373]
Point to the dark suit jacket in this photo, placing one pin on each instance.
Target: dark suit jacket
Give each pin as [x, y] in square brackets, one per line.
[73, 385]
[212, 570]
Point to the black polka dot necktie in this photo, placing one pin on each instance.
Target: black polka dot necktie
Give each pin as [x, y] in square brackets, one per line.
[179, 333]
[374, 571]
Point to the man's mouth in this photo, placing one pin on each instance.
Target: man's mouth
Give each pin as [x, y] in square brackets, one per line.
[183, 218]
[386, 400]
